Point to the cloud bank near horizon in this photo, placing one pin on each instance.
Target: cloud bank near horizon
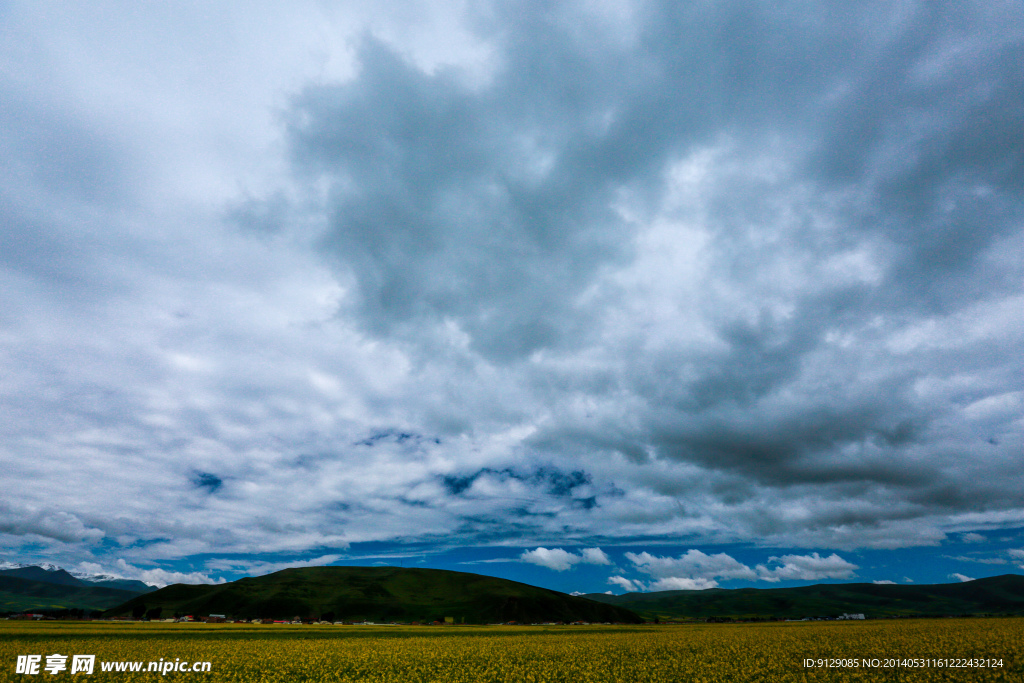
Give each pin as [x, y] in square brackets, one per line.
[511, 274]
[695, 570]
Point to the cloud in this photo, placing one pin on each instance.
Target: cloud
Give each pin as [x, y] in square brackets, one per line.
[525, 275]
[594, 556]
[157, 576]
[884, 582]
[46, 524]
[972, 537]
[561, 560]
[261, 567]
[509, 221]
[695, 570]
[693, 565]
[960, 577]
[556, 558]
[806, 568]
[980, 560]
[628, 585]
[675, 583]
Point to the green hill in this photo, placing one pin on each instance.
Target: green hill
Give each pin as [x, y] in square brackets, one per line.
[995, 595]
[378, 594]
[26, 595]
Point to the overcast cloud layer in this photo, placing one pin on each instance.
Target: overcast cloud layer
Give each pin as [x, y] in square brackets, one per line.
[541, 275]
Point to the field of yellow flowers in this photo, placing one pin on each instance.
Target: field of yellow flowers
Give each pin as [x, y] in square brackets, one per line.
[976, 650]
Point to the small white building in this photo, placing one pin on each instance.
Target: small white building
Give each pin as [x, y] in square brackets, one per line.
[852, 616]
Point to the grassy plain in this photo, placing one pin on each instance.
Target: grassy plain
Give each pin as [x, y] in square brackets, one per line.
[706, 653]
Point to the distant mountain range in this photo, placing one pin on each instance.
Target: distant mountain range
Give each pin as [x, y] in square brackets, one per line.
[53, 574]
[377, 594]
[385, 594]
[48, 588]
[995, 595]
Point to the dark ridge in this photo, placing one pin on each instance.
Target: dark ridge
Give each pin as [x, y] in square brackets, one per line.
[378, 594]
[995, 595]
[26, 595]
[58, 576]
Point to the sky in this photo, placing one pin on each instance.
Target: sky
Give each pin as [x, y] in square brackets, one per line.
[597, 295]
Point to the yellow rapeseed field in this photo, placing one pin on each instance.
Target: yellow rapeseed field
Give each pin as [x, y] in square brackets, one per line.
[905, 650]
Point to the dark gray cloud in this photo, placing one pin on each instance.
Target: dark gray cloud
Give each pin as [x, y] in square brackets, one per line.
[864, 180]
[450, 202]
[715, 271]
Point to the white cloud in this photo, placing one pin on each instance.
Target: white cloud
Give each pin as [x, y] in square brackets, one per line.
[159, 577]
[695, 570]
[980, 560]
[556, 558]
[960, 577]
[972, 537]
[260, 567]
[561, 560]
[693, 564]
[677, 583]
[1017, 555]
[806, 568]
[628, 585]
[90, 568]
[884, 582]
[594, 556]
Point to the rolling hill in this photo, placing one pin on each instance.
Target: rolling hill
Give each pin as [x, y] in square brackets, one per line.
[995, 595]
[378, 594]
